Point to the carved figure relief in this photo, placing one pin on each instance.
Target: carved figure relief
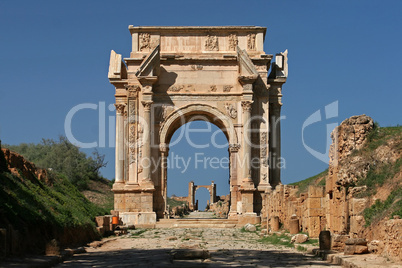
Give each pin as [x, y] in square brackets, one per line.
[196, 67]
[227, 88]
[175, 88]
[231, 110]
[246, 105]
[145, 42]
[264, 177]
[251, 41]
[213, 88]
[211, 43]
[233, 42]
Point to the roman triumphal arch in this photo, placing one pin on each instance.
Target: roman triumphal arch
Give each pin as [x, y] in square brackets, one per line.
[178, 74]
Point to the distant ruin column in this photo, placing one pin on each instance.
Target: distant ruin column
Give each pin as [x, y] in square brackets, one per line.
[119, 165]
[146, 152]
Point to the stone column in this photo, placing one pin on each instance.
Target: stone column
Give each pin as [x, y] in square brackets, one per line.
[164, 149]
[233, 150]
[246, 105]
[119, 165]
[146, 151]
[276, 143]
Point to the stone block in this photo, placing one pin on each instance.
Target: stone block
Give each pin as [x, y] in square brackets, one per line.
[357, 205]
[275, 224]
[349, 250]
[101, 230]
[299, 238]
[315, 212]
[316, 191]
[102, 221]
[294, 226]
[356, 241]
[325, 240]
[52, 248]
[313, 202]
[359, 249]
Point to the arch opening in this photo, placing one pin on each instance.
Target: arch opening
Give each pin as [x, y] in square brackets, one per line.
[198, 154]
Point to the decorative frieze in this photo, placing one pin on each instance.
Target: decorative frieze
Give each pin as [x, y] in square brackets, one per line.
[211, 43]
[213, 88]
[231, 110]
[251, 41]
[145, 42]
[246, 105]
[227, 88]
[196, 67]
[175, 88]
[233, 42]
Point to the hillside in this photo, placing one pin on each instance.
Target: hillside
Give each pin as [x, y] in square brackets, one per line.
[38, 205]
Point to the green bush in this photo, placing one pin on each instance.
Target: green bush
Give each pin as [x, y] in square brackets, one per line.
[63, 158]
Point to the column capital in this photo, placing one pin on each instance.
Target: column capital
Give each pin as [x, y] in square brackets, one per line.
[132, 90]
[246, 105]
[234, 147]
[147, 105]
[164, 148]
[120, 107]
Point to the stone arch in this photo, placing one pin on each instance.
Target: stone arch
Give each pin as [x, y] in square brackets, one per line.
[184, 115]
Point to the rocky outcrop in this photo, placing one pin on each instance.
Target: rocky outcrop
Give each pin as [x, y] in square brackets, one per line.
[21, 167]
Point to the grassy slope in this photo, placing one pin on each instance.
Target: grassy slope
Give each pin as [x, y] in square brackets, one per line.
[318, 179]
[31, 203]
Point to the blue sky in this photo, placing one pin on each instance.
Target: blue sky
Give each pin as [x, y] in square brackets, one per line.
[54, 55]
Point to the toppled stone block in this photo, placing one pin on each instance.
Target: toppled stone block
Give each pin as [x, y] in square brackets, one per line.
[375, 246]
[250, 227]
[356, 241]
[299, 238]
[355, 249]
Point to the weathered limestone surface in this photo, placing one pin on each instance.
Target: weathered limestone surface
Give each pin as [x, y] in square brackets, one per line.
[178, 74]
[336, 206]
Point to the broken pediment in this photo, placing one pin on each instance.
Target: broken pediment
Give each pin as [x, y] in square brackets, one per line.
[247, 71]
[117, 68]
[280, 66]
[150, 66]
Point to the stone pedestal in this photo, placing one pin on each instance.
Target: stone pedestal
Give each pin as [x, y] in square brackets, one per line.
[275, 224]
[294, 226]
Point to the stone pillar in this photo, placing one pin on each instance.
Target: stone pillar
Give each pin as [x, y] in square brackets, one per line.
[164, 154]
[275, 224]
[276, 143]
[119, 165]
[246, 105]
[146, 151]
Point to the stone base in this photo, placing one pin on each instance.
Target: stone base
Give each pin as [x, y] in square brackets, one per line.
[138, 219]
[248, 218]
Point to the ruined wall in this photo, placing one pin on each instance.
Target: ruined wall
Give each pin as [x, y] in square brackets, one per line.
[337, 206]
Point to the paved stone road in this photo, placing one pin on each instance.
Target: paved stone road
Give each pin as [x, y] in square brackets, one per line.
[199, 247]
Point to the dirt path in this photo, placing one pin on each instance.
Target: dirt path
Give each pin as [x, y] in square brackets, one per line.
[191, 248]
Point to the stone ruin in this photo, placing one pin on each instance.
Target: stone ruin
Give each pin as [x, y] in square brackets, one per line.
[175, 75]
